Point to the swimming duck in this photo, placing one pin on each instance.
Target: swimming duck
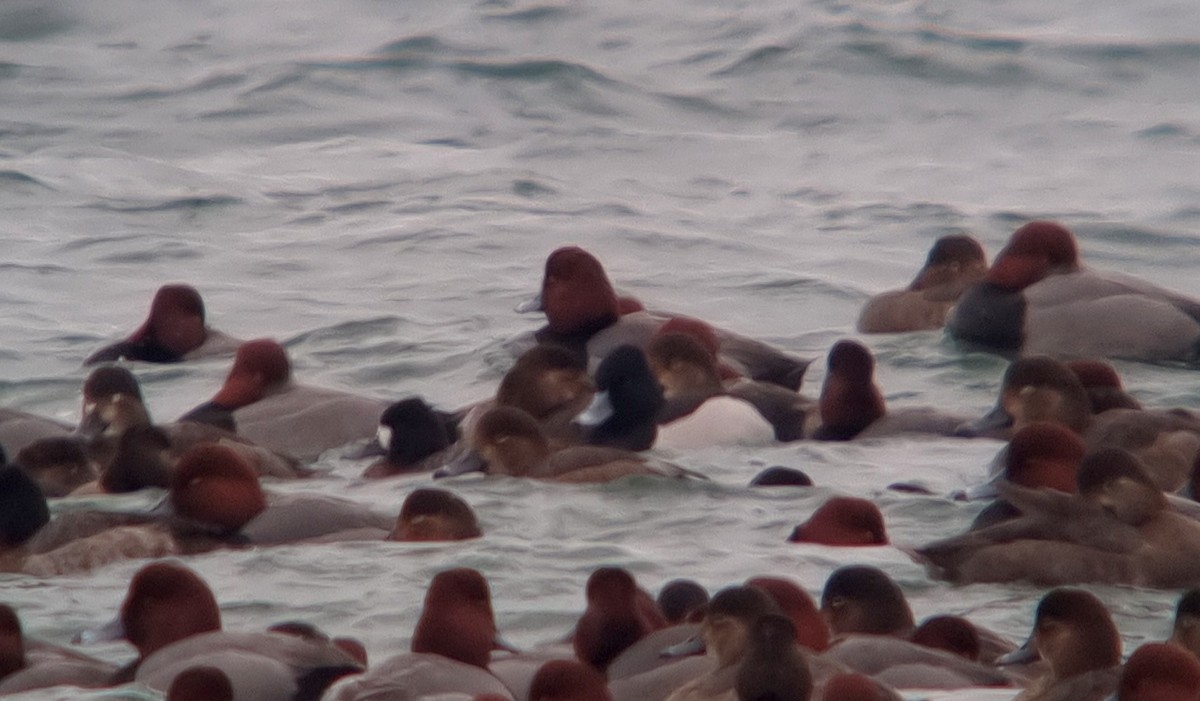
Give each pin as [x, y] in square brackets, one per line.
[843, 521]
[724, 636]
[1037, 298]
[1159, 672]
[507, 441]
[416, 438]
[568, 680]
[1185, 631]
[552, 385]
[619, 613]
[265, 405]
[700, 411]
[812, 632]
[583, 312]
[773, 668]
[171, 616]
[175, 330]
[1074, 633]
[851, 405]
[629, 411]
[1103, 385]
[1118, 529]
[201, 684]
[451, 648]
[215, 487]
[680, 600]
[77, 540]
[435, 515]
[954, 263]
[873, 626]
[1040, 388]
[31, 664]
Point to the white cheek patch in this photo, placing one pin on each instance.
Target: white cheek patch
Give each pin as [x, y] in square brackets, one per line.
[384, 436]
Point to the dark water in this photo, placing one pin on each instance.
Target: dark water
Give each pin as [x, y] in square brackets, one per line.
[377, 185]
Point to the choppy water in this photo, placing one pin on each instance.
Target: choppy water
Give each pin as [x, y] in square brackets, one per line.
[378, 183]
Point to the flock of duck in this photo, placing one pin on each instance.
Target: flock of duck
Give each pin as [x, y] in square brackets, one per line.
[1090, 488]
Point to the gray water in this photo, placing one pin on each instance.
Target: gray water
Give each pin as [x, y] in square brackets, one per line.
[377, 184]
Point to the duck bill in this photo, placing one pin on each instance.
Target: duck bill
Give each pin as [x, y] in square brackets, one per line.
[533, 304]
[987, 490]
[692, 646]
[107, 633]
[466, 463]
[596, 413]
[500, 643]
[997, 423]
[1023, 655]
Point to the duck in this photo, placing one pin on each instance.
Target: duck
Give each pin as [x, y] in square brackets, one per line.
[451, 648]
[681, 600]
[429, 514]
[584, 313]
[1185, 630]
[568, 680]
[723, 636]
[1073, 632]
[175, 330]
[19, 429]
[630, 411]
[508, 441]
[1038, 298]
[171, 616]
[201, 683]
[618, 614]
[32, 664]
[60, 457]
[55, 448]
[1040, 455]
[75, 541]
[873, 624]
[1159, 672]
[215, 488]
[851, 405]
[552, 385]
[955, 262]
[263, 403]
[812, 632]
[415, 437]
[773, 668]
[699, 410]
[1041, 388]
[843, 521]
[1103, 385]
[1118, 529]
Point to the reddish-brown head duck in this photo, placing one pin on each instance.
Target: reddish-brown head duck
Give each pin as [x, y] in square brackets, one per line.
[215, 486]
[456, 619]
[435, 515]
[850, 401]
[568, 680]
[811, 629]
[618, 614]
[174, 329]
[843, 521]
